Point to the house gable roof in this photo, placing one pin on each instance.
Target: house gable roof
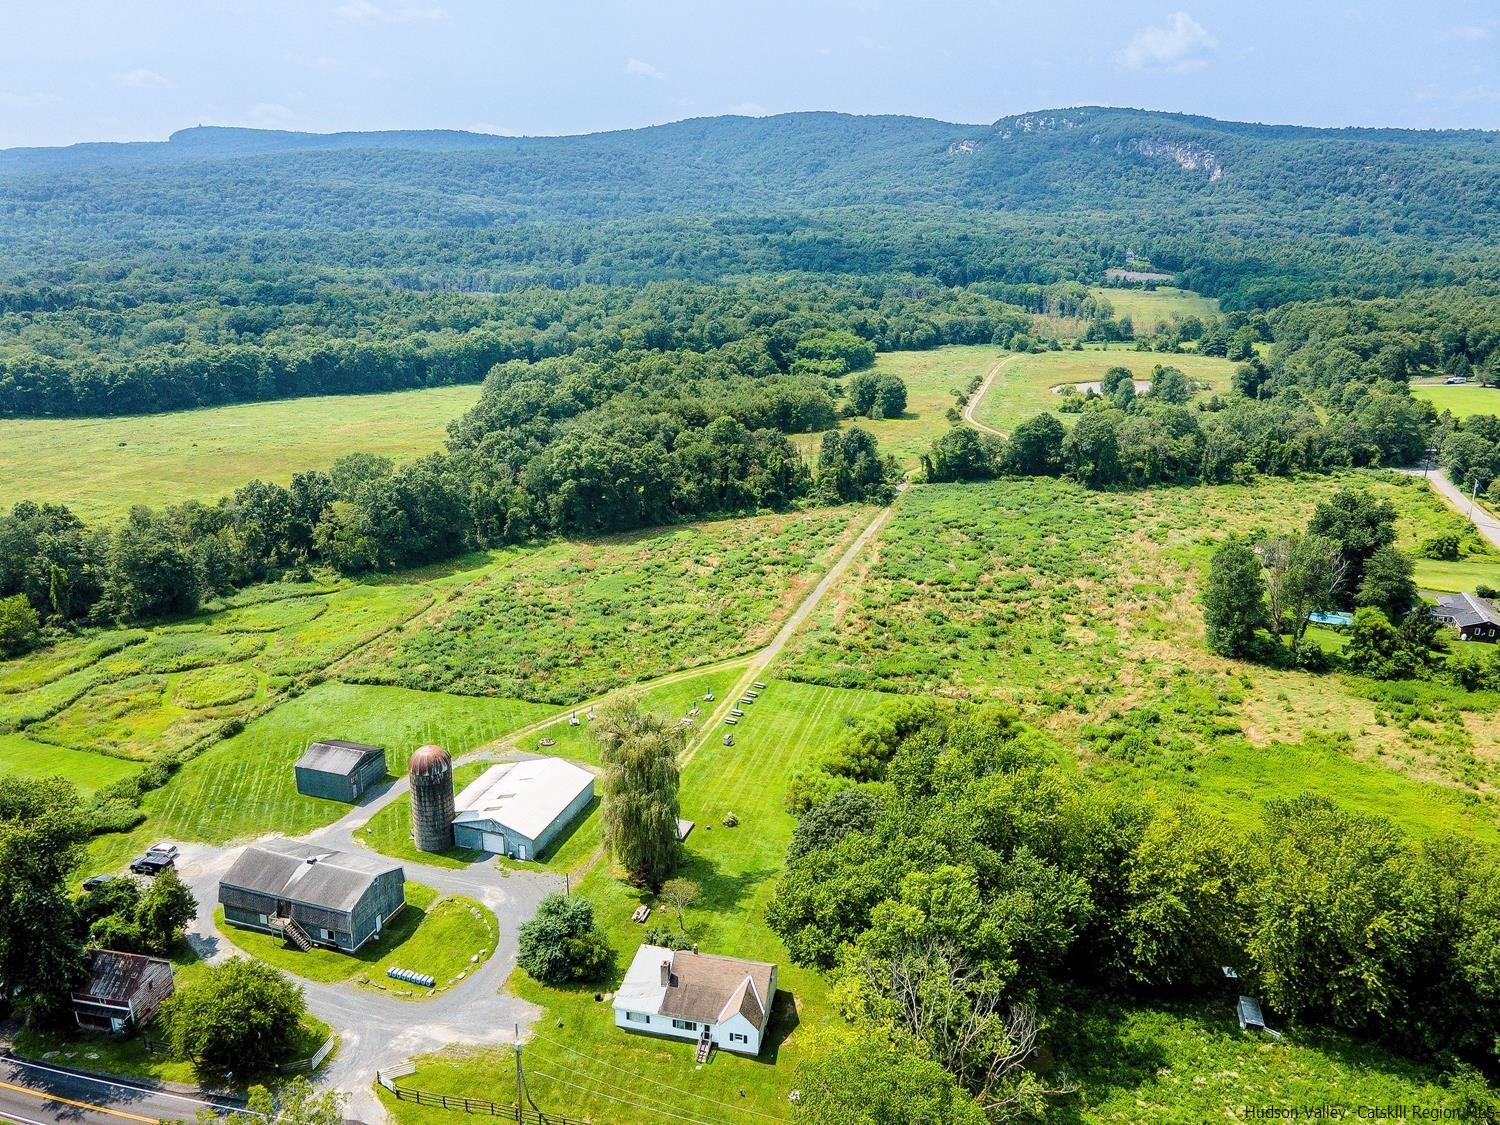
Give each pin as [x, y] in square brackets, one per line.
[116, 977]
[1466, 610]
[703, 987]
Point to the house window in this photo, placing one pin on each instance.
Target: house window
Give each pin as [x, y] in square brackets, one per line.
[736, 1037]
[637, 1017]
[684, 1025]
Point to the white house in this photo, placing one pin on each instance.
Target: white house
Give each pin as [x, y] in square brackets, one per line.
[518, 808]
[702, 997]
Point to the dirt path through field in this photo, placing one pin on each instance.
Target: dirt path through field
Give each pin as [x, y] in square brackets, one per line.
[979, 396]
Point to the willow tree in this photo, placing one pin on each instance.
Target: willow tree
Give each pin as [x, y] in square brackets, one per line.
[639, 753]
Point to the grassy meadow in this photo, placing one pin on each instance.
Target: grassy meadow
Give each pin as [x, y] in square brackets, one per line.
[1461, 401]
[933, 381]
[99, 467]
[1147, 308]
[1080, 609]
[1024, 386]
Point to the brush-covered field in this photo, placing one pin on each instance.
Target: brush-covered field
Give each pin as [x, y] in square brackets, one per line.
[1081, 610]
[99, 467]
[573, 619]
[1023, 387]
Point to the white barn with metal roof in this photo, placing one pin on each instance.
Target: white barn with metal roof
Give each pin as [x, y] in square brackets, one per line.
[519, 808]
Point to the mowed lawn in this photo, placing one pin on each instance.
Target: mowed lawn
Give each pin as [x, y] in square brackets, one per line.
[434, 934]
[933, 381]
[244, 787]
[99, 467]
[21, 757]
[1462, 401]
[577, 1062]
[1024, 386]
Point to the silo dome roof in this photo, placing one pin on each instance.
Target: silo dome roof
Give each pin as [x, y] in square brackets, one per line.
[429, 759]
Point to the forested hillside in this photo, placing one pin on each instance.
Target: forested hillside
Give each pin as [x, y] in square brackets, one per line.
[1064, 193]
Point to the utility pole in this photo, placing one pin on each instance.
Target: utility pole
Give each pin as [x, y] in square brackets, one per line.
[520, 1080]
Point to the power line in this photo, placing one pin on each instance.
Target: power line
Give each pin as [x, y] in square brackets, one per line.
[622, 1101]
[657, 1081]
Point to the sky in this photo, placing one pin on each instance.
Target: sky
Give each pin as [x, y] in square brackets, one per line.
[116, 70]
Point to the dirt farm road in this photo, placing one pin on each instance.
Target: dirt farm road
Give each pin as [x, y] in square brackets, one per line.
[979, 396]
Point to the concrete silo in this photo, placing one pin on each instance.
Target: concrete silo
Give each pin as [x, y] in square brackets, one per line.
[431, 774]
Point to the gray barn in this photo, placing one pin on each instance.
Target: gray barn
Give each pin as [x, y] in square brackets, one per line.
[339, 770]
[311, 895]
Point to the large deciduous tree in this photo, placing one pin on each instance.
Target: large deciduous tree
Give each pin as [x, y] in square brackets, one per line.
[239, 1016]
[1234, 605]
[639, 752]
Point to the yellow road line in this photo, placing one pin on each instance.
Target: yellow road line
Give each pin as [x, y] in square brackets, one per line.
[46, 1097]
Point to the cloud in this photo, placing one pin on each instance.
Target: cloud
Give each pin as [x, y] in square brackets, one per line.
[642, 69]
[364, 11]
[1177, 46]
[142, 79]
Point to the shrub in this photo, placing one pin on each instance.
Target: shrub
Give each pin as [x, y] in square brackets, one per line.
[1443, 548]
[19, 625]
[241, 1015]
[562, 944]
[666, 938]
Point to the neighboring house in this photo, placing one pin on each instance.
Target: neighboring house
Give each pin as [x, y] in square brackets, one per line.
[338, 770]
[722, 1001]
[518, 808]
[124, 991]
[1475, 618]
[311, 895]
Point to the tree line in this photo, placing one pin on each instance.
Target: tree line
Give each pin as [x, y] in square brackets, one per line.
[134, 345]
[571, 445]
[961, 887]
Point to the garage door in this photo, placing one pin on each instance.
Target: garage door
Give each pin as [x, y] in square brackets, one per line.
[494, 842]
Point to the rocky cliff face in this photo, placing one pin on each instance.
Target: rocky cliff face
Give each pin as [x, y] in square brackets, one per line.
[1188, 157]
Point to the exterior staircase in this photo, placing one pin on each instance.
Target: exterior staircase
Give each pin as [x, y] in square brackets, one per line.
[294, 934]
[705, 1046]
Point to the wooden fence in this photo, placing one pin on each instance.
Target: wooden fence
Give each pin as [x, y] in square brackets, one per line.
[523, 1115]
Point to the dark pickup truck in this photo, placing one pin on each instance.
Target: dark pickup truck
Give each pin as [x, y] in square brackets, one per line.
[156, 860]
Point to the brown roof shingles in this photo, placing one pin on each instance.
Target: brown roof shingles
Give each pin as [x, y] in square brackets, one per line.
[706, 988]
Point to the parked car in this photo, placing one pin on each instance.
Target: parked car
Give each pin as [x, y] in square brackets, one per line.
[157, 859]
[94, 882]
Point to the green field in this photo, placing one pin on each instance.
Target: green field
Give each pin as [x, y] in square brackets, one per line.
[435, 934]
[244, 785]
[1148, 308]
[577, 1060]
[572, 619]
[99, 467]
[933, 380]
[21, 757]
[1462, 401]
[1080, 609]
[1023, 388]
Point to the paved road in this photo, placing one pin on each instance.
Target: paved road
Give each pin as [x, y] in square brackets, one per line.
[979, 395]
[38, 1093]
[1486, 524]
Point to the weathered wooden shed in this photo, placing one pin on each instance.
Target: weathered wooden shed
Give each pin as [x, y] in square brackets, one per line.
[124, 991]
[339, 771]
